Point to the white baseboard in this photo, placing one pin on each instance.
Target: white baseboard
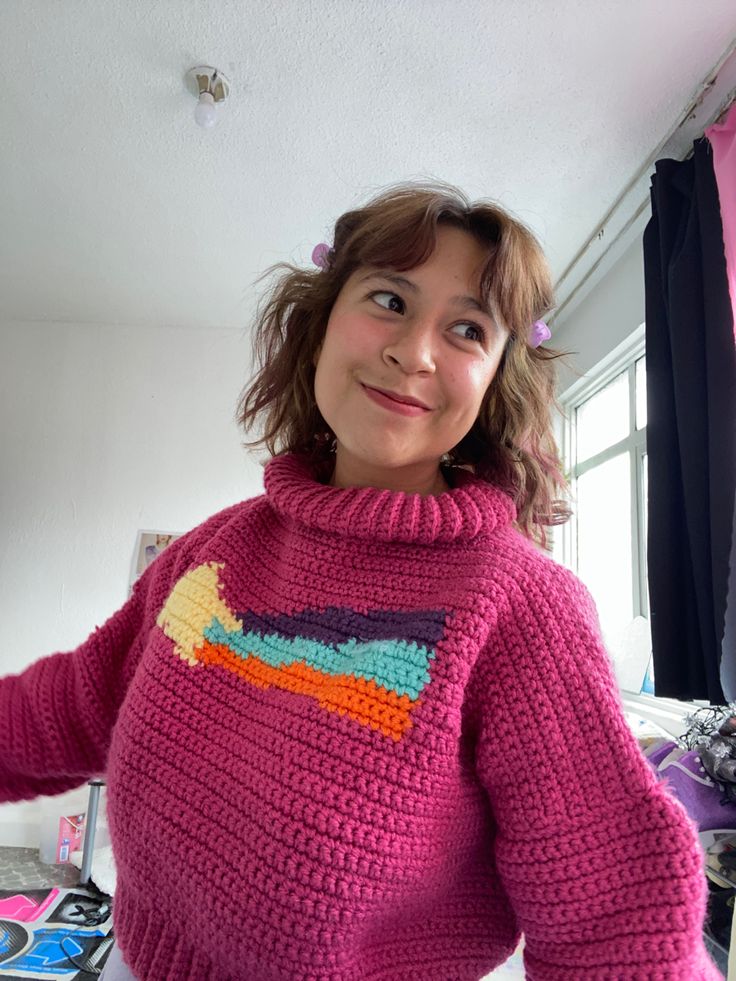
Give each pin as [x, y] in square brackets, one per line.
[20, 824]
[16, 835]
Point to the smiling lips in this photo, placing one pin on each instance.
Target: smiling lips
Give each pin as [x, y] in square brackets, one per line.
[403, 404]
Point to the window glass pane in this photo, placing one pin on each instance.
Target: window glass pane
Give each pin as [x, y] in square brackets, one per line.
[603, 419]
[648, 685]
[641, 393]
[604, 546]
[645, 496]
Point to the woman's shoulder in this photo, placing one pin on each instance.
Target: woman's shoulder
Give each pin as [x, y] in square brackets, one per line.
[535, 579]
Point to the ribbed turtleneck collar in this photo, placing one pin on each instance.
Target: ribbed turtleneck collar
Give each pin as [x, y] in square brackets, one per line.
[473, 507]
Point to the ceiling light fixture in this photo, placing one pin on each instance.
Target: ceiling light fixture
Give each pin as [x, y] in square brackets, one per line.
[209, 86]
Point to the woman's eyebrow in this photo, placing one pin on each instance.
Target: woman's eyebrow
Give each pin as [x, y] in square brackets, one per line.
[467, 302]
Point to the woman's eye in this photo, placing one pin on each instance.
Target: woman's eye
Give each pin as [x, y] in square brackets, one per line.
[395, 304]
[470, 332]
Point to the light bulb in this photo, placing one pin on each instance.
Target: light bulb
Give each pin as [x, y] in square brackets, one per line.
[205, 112]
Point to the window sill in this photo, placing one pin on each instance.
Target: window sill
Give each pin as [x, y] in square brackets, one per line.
[667, 714]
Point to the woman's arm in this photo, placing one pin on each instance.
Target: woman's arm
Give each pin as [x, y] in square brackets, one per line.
[57, 716]
[603, 867]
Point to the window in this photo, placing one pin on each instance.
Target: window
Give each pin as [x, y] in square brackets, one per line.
[604, 446]
[603, 441]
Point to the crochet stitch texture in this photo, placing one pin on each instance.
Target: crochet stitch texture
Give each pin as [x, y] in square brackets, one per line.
[361, 735]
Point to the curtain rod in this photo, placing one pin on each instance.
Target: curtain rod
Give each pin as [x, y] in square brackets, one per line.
[727, 61]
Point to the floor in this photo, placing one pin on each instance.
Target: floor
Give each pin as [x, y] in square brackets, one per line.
[21, 867]
[51, 927]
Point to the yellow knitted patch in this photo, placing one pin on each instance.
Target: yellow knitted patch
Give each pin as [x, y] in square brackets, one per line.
[193, 604]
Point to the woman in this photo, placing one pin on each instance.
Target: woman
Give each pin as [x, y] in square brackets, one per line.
[362, 726]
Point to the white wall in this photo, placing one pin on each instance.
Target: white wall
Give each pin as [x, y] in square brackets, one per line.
[105, 430]
[607, 316]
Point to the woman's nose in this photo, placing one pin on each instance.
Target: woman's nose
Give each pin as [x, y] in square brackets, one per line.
[413, 348]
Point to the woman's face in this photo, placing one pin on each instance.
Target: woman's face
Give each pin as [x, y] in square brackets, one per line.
[419, 335]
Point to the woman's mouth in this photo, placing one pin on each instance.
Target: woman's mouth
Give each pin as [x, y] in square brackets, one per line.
[394, 404]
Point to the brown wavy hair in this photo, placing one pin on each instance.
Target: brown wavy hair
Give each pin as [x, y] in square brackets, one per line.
[511, 443]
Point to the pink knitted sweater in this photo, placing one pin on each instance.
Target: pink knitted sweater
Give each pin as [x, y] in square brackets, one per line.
[360, 735]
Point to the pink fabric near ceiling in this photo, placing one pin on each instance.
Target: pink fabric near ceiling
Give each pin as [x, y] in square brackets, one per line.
[722, 137]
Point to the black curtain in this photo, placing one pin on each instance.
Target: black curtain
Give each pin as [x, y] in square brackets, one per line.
[691, 426]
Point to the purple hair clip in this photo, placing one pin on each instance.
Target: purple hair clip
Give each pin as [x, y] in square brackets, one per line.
[321, 255]
[539, 333]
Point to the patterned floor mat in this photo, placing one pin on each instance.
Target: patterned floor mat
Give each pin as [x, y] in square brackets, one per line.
[53, 933]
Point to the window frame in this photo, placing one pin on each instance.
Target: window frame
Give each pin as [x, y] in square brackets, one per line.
[622, 359]
[668, 713]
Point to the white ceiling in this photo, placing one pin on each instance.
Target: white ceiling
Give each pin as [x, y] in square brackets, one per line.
[116, 208]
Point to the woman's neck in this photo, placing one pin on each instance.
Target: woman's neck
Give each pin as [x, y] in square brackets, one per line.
[422, 479]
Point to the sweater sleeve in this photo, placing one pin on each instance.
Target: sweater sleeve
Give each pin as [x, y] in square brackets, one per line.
[57, 716]
[602, 865]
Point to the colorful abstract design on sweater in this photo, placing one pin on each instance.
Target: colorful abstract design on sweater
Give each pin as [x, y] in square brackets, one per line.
[356, 664]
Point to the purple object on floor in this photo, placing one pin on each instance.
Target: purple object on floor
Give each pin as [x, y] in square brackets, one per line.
[658, 751]
[699, 792]
[688, 780]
